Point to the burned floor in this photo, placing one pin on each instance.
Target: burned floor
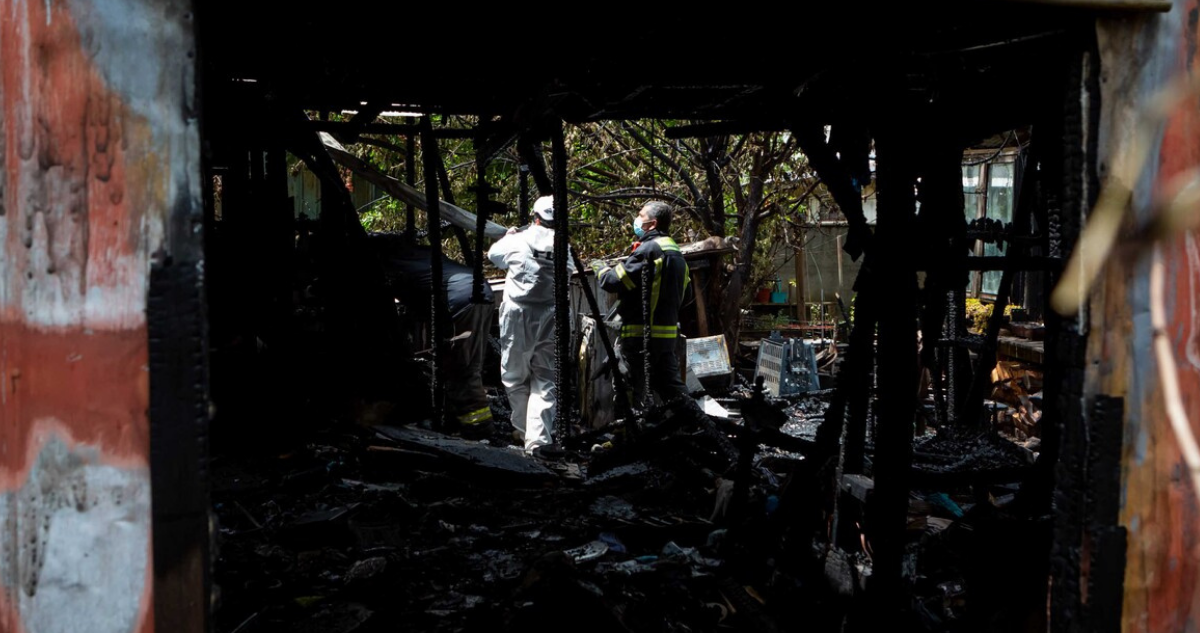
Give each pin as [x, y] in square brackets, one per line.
[384, 526]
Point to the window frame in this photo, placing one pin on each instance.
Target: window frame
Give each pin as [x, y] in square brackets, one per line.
[979, 196]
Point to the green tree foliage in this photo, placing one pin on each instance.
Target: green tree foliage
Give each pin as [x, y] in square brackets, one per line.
[751, 189]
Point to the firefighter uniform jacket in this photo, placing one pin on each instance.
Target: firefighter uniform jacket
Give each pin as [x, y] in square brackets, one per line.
[659, 260]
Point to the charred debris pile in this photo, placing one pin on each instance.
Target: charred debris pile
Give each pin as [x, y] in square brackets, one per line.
[657, 524]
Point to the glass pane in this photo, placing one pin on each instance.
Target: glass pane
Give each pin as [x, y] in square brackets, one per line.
[999, 207]
[991, 280]
[970, 178]
[971, 190]
[972, 199]
[1000, 192]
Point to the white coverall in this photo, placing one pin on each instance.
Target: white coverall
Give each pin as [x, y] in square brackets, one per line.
[527, 330]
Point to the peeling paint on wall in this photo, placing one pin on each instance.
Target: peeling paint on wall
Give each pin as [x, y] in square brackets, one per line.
[80, 525]
[98, 144]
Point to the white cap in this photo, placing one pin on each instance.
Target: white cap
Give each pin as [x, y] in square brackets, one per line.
[544, 208]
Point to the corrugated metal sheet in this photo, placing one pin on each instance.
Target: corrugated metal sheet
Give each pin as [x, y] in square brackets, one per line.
[97, 148]
[1159, 509]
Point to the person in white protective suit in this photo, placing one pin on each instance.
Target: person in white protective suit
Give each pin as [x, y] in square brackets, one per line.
[527, 324]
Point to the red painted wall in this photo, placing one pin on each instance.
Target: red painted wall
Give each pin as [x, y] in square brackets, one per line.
[94, 147]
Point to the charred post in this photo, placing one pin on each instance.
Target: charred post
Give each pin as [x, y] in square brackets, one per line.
[482, 205]
[943, 225]
[440, 321]
[898, 362]
[523, 195]
[410, 177]
[562, 308]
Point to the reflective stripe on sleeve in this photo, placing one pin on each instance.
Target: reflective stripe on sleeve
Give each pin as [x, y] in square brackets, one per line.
[624, 276]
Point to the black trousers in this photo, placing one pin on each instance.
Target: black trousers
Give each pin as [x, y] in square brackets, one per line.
[666, 381]
[466, 398]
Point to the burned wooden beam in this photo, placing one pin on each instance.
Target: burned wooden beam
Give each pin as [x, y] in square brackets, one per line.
[455, 215]
[460, 234]
[1104, 536]
[523, 194]
[350, 129]
[562, 314]
[482, 203]
[440, 319]
[465, 455]
[720, 128]
[361, 119]
[855, 395]
[898, 362]
[1069, 172]
[410, 178]
[942, 221]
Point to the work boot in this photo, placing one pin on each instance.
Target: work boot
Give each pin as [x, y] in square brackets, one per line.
[548, 453]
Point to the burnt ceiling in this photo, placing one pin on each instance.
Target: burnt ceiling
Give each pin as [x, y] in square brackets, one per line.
[981, 67]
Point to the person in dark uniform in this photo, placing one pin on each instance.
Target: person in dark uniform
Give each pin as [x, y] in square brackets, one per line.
[411, 278]
[652, 284]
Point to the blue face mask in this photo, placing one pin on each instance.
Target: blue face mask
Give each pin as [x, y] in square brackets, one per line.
[637, 228]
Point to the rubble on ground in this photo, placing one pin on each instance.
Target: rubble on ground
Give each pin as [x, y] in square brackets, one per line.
[366, 528]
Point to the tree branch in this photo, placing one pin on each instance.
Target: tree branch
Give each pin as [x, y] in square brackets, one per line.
[697, 195]
[532, 156]
[714, 153]
[391, 147]
[807, 192]
[635, 194]
[739, 146]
